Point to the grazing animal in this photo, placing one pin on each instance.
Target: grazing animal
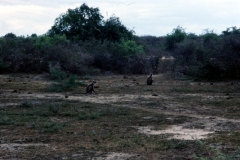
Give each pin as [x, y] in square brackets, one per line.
[90, 88]
[149, 80]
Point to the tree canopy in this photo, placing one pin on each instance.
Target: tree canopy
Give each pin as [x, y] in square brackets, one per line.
[85, 22]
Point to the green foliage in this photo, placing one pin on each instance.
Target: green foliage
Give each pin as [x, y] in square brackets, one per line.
[5, 120]
[3, 66]
[71, 82]
[209, 36]
[47, 41]
[209, 56]
[93, 113]
[113, 30]
[10, 35]
[210, 72]
[231, 31]
[186, 53]
[26, 104]
[130, 48]
[53, 108]
[58, 75]
[178, 35]
[81, 42]
[218, 155]
[85, 23]
[34, 35]
[64, 85]
[80, 23]
[51, 127]
[228, 56]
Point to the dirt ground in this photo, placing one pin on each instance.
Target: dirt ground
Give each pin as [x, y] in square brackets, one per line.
[126, 119]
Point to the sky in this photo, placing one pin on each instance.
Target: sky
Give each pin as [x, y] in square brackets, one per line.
[145, 17]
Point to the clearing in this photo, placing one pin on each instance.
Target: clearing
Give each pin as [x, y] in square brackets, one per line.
[172, 119]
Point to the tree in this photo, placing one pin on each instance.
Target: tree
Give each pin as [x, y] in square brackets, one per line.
[84, 23]
[130, 49]
[209, 37]
[114, 30]
[10, 35]
[34, 35]
[178, 35]
[231, 31]
[78, 24]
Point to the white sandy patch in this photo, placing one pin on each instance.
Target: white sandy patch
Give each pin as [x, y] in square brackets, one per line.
[17, 146]
[178, 132]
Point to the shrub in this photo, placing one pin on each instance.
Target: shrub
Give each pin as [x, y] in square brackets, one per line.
[64, 85]
[3, 66]
[178, 35]
[56, 73]
[130, 49]
[26, 104]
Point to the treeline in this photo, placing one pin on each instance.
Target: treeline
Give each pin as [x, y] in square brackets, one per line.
[207, 56]
[43, 53]
[82, 42]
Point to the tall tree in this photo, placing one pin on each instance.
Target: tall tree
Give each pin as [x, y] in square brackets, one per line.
[84, 23]
[114, 30]
[80, 23]
[178, 35]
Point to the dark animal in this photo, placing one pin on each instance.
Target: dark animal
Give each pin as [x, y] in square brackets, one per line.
[90, 88]
[149, 80]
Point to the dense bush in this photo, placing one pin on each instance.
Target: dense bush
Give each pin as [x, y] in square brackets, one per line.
[3, 67]
[81, 42]
[178, 35]
[210, 56]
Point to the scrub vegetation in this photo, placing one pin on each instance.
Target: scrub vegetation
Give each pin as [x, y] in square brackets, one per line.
[82, 42]
[191, 110]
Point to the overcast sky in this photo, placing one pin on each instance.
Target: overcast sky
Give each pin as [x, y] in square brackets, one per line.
[145, 17]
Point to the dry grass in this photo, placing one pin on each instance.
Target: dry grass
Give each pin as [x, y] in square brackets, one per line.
[43, 125]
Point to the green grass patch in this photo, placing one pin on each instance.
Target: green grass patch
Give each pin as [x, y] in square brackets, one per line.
[51, 127]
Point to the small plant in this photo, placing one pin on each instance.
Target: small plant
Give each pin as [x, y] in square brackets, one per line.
[53, 108]
[5, 120]
[124, 111]
[218, 154]
[64, 85]
[52, 127]
[26, 104]
[57, 74]
[90, 114]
